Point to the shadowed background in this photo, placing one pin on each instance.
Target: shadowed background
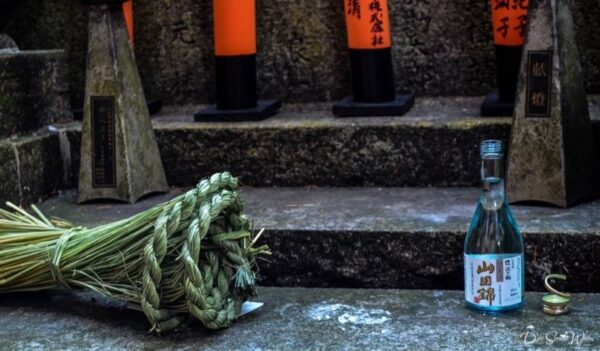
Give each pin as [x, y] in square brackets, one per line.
[440, 47]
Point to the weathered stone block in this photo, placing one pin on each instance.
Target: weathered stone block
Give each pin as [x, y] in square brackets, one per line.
[31, 170]
[41, 166]
[33, 90]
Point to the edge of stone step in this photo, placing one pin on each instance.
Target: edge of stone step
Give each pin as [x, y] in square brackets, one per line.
[434, 144]
[386, 237]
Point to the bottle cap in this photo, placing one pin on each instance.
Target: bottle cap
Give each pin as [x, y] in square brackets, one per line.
[491, 149]
[555, 303]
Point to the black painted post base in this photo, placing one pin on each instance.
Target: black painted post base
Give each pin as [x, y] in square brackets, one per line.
[347, 107]
[493, 107]
[264, 109]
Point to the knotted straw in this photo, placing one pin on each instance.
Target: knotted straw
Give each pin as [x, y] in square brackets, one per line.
[189, 258]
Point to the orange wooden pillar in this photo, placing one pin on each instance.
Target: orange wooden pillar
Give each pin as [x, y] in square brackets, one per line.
[235, 63]
[509, 19]
[128, 13]
[369, 41]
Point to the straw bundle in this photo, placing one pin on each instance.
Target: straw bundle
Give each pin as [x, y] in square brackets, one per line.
[191, 257]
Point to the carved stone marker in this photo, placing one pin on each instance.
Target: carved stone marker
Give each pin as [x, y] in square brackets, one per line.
[119, 155]
[552, 154]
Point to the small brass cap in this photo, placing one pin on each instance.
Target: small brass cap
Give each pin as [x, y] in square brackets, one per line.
[555, 303]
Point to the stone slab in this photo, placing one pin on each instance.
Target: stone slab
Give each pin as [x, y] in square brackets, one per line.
[303, 319]
[33, 90]
[440, 48]
[31, 168]
[386, 237]
[433, 144]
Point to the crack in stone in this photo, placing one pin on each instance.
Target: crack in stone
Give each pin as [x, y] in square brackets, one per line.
[18, 162]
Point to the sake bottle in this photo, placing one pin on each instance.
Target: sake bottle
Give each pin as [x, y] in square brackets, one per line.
[493, 252]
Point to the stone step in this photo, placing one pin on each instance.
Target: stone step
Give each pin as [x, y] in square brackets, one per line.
[31, 167]
[435, 144]
[386, 237]
[304, 319]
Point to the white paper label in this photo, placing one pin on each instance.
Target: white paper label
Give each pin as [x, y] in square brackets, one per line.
[493, 280]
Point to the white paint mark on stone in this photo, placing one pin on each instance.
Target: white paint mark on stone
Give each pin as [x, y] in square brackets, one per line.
[435, 218]
[345, 314]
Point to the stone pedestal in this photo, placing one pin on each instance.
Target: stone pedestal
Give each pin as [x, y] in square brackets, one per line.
[552, 156]
[119, 155]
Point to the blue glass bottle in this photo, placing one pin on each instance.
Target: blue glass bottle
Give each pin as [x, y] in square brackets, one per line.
[493, 252]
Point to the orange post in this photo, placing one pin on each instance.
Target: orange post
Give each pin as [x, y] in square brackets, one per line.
[509, 19]
[235, 27]
[368, 24]
[370, 44]
[235, 65]
[128, 13]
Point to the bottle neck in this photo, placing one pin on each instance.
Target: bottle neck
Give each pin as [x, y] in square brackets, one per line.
[492, 181]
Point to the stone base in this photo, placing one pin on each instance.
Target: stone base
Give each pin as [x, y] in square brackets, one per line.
[347, 107]
[493, 107]
[264, 109]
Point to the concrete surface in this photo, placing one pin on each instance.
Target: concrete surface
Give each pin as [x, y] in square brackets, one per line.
[304, 319]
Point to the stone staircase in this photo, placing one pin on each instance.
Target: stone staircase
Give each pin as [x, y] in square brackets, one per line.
[371, 203]
[346, 203]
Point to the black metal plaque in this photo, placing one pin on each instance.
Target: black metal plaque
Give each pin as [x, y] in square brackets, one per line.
[539, 75]
[103, 142]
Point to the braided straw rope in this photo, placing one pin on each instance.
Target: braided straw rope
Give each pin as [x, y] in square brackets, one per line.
[189, 258]
[206, 282]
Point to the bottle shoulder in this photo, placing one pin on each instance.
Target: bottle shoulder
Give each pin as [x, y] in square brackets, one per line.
[493, 231]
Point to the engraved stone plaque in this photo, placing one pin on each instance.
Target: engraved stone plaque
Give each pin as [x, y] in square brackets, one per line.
[539, 73]
[103, 142]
